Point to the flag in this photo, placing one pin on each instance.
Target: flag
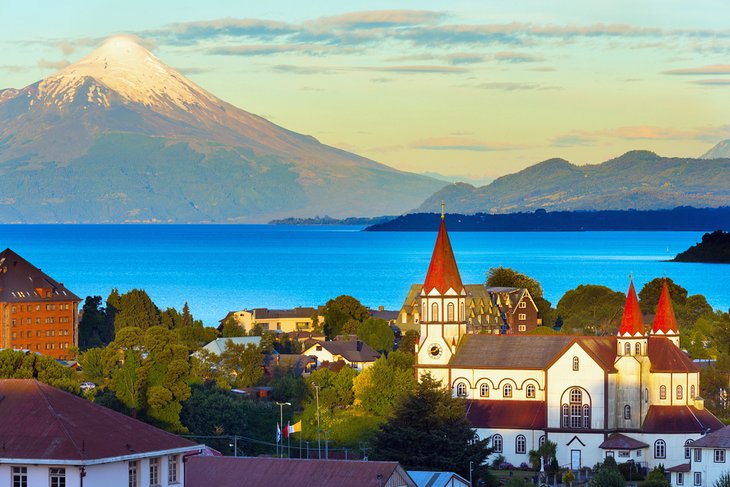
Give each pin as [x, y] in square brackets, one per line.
[286, 430]
[295, 428]
[278, 433]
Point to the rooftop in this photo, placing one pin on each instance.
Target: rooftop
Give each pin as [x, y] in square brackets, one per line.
[21, 281]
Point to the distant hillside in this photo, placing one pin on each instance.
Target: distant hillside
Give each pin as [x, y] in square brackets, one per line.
[714, 248]
[677, 219]
[721, 150]
[637, 180]
[328, 220]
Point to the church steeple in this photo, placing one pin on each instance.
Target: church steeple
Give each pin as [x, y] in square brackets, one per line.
[665, 322]
[443, 274]
[632, 322]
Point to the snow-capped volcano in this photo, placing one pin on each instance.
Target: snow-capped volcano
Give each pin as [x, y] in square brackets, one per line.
[149, 144]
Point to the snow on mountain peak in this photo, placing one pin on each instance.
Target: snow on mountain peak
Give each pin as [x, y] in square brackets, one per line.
[123, 65]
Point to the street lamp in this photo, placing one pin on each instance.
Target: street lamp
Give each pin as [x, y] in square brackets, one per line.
[281, 422]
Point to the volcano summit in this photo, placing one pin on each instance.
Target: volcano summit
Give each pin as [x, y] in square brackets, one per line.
[121, 137]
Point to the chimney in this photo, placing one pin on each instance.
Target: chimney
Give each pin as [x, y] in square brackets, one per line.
[381, 308]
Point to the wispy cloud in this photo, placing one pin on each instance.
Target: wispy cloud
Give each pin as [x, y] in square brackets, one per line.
[572, 141]
[14, 68]
[712, 82]
[709, 70]
[513, 86]
[416, 69]
[55, 65]
[460, 144]
[193, 32]
[271, 49]
[379, 19]
[516, 57]
[193, 70]
[644, 132]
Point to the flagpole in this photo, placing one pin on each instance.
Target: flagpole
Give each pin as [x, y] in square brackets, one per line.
[288, 440]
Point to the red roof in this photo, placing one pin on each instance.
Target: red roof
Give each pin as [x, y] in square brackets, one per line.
[665, 356]
[507, 414]
[679, 419]
[664, 321]
[263, 471]
[443, 274]
[632, 321]
[617, 441]
[41, 422]
[682, 467]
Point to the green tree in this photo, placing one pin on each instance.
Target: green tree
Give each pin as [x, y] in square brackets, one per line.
[429, 431]
[723, 480]
[508, 277]
[607, 475]
[377, 333]
[649, 294]
[380, 388]
[339, 310]
[94, 328]
[231, 328]
[136, 309]
[19, 365]
[243, 363]
[408, 342]
[657, 478]
[594, 309]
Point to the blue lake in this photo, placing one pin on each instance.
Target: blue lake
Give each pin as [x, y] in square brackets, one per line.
[218, 268]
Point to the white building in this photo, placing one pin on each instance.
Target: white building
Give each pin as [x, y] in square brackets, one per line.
[56, 439]
[706, 460]
[355, 353]
[632, 396]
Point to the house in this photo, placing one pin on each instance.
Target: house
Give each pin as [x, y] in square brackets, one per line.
[384, 314]
[52, 437]
[506, 310]
[267, 472]
[424, 478]
[37, 314]
[355, 353]
[580, 392]
[284, 320]
[705, 460]
[218, 346]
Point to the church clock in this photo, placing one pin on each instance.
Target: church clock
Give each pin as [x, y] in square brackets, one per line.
[435, 351]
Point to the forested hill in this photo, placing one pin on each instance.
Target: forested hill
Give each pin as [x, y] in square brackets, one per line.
[714, 248]
[677, 219]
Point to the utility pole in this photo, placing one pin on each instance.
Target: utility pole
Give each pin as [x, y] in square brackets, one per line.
[281, 422]
[319, 439]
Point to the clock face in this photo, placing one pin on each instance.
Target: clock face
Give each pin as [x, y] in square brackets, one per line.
[434, 350]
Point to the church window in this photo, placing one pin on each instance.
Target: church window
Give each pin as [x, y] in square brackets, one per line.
[586, 416]
[450, 311]
[660, 449]
[520, 444]
[497, 443]
[663, 392]
[627, 348]
[434, 312]
[461, 312]
[646, 394]
[461, 389]
[566, 416]
[627, 412]
[687, 450]
[576, 363]
[423, 313]
[637, 348]
[507, 390]
[575, 413]
[530, 391]
[692, 392]
[484, 390]
[680, 393]
[541, 441]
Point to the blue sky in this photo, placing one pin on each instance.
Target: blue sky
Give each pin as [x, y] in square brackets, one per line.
[462, 88]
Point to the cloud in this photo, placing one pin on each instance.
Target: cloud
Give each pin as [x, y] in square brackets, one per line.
[416, 69]
[712, 82]
[646, 132]
[271, 49]
[55, 65]
[513, 86]
[379, 19]
[14, 68]
[193, 70]
[572, 140]
[709, 70]
[516, 57]
[193, 32]
[452, 143]
[296, 69]
[464, 58]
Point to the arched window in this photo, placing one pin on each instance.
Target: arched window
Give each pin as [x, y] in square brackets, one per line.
[484, 389]
[687, 450]
[692, 392]
[461, 389]
[627, 348]
[660, 449]
[450, 312]
[520, 444]
[541, 441]
[507, 390]
[586, 416]
[646, 394]
[663, 392]
[637, 348]
[424, 316]
[680, 393]
[576, 363]
[461, 312]
[530, 391]
[434, 312]
[576, 411]
[497, 443]
[627, 412]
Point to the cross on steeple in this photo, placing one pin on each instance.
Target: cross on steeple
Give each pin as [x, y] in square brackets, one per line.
[442, 209]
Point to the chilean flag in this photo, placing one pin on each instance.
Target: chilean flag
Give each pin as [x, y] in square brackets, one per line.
[278, 433]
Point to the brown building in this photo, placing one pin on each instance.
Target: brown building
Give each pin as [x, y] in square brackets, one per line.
[36, 313]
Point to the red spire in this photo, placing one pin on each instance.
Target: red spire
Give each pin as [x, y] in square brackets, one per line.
[632, 321]
[442, 272]
[664, 321]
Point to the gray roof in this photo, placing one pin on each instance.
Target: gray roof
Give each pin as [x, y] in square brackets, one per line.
[716, 439]
[20, 281]
[436, 479]
[509, 351]
[270, 314]
[351, 350]
[218, 345]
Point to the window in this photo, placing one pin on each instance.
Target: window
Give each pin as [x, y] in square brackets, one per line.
[172, 469]
[507, 390]
[133, 474]
[20, 476]
[461, 389]
[434, 312]
[520, 444]
[698, 478]
[637, 348]
[576, 364]
[522, 327]
[646, 394]
[627, 348]
[13, 309]
[497, 443]
[687, 450]
[663, 393]
[541, 441]
[450, 311]
[627, 412]
[461, 312]
[692, 392]
[680, 478]
[523, 304]
[522, 316]
[680, 393]
[424, 310]
[576, 414]
[660, 449]
[624, 454]
[530, 391]
[57, 477]
[698, 454]
[719, 456]
[154, 471]
[484, 390]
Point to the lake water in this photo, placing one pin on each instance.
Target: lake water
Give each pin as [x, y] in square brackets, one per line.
[219, 268]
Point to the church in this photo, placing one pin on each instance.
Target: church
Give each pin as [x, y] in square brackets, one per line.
[633, 396]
